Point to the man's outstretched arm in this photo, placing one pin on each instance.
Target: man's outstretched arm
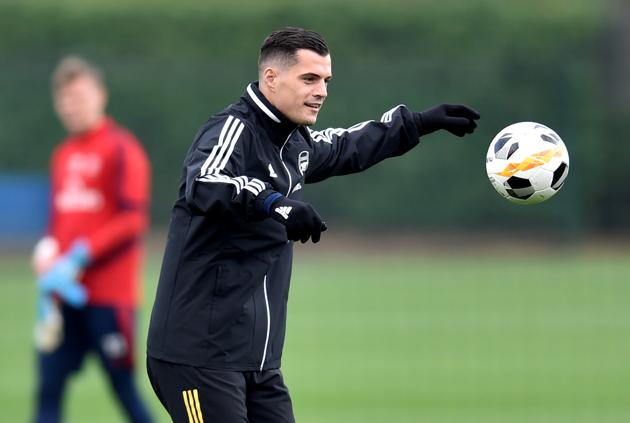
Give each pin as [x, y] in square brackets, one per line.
[340, 151]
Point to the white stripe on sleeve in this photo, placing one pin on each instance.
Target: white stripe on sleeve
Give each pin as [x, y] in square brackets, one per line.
[219, 157]
[232, 144]
[387, 116]
[229, 139]
[211, 156]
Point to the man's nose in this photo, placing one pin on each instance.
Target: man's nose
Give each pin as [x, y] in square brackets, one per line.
[321, 90]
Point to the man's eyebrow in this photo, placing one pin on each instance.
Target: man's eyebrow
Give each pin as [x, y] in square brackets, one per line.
[316, 75]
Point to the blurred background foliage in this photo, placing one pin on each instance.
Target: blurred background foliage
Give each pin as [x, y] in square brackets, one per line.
[170, 65]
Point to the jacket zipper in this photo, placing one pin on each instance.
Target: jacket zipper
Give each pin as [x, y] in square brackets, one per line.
[262, 363]
[285, 166]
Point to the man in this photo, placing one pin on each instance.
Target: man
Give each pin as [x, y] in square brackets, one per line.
[89, 263]
[218, 323]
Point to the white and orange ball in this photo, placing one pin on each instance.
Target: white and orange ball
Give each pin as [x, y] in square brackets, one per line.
[527, 163]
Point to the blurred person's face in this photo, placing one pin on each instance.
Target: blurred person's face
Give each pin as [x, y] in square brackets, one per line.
[299, 90]
[80, 104]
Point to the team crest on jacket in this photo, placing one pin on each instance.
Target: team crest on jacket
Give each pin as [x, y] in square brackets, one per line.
[303, 161]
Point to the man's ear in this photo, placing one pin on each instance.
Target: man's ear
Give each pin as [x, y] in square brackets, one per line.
[269, 78]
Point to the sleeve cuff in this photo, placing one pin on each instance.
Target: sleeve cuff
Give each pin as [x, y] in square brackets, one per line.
[417, 118]
[266, 200]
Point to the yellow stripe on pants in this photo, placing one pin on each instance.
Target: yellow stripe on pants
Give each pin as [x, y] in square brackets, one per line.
[196, 394]
[193, 406]
[192, 418]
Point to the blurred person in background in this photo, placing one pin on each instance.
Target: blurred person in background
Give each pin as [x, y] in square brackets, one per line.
[218, 323]
[88, 265]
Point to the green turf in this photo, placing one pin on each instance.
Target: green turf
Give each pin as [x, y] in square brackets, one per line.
[523, 338]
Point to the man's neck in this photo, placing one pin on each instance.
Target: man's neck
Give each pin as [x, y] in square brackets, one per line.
[264, 90]
[93, 127]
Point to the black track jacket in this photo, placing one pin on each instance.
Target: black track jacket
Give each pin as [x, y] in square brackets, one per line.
[221, 301]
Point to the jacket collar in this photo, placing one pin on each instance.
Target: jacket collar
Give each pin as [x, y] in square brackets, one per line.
[274, 122]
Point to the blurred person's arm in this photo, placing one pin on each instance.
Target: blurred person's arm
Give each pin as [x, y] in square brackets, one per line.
[132, 183]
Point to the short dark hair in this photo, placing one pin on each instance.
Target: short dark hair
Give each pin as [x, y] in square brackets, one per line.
[284, 43]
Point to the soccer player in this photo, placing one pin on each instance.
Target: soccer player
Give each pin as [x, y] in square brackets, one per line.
[89, 263]
[218, 323]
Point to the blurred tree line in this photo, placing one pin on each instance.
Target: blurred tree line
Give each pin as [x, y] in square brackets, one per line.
[170, 65]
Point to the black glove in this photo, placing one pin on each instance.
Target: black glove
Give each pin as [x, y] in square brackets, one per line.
[300, 219]
[455, 118]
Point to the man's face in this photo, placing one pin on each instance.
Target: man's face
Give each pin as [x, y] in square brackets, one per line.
[80, 104]
[299, 91]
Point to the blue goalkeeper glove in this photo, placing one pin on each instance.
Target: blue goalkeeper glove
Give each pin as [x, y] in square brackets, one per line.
[62, 278]
[44, 306]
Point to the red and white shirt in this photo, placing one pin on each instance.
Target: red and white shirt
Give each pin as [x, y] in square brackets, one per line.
[100, 183]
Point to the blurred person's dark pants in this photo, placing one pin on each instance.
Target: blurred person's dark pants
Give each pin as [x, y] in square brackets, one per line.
[106, 331]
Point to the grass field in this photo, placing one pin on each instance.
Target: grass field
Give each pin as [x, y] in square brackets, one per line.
[461, 338]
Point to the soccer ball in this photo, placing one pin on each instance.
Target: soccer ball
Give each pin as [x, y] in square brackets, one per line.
[527, 163]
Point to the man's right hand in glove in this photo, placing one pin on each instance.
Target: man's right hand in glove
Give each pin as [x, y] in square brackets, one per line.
[299, 218]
